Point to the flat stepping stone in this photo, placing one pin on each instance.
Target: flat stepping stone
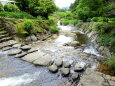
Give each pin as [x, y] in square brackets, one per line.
[6, 48]
[26, 47]
[43, 60]
[16, 46]
[14, 52]
[32, 50]
[33, 56]
[53, 68]
[75, 76]
[65, 71]
[20, 55]
[59, 62]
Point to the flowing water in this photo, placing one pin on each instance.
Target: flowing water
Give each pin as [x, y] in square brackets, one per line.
[15, 72]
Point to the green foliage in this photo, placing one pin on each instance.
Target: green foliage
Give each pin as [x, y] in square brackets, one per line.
[17, 15]
[38, 7]
[29, 26]
[67, 22]
[1, 7]
[54, 29]
[20, 30]
[87, 9]
[11, 8]
[111, 63]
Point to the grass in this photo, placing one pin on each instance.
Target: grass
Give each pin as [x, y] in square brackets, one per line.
[16, 15]
[54, 29]
[67, 22]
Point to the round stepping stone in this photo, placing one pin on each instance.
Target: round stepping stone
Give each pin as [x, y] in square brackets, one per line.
[66, 64]
[65, 71]
[59, 62]
[53, 68]
[75, 76]
[79, 67]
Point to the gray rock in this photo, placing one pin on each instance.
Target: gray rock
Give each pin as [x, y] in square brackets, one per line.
[33, 37]
[65, 71]
[43, 60]
[20, 55]
[6, 48]
[26, 47]
[66, 64]
[53, 68]
[16, 46]
[14, 52]
[75, 76]
[91, 78]
[59, 62]
[79, 67]
[33, 56]
[32, 50]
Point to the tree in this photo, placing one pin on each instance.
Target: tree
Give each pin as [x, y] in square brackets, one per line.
[37, 7]
[1, 7]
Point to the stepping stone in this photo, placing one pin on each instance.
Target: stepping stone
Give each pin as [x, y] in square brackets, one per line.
[75, 76]
[32, 50]
[79, 67]
[26, 47]
[16, 46]
[6, 48]
[65, 71]
[66, 64]
[59, 62]
[14, 52]
[20, 55]
[53, 68]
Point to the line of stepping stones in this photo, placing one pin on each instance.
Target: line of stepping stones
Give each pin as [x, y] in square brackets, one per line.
[58, 64]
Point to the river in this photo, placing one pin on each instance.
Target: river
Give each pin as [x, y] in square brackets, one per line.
[15, 72]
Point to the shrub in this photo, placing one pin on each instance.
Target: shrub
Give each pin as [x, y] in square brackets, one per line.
[100, 19]
[111, 63]
[1, 7]
[11, 8]
[17, 15]
[67, 22]
[54, 29]
[20, 30]
[29, 26]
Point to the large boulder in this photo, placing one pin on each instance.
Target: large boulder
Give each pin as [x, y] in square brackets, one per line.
[14, 52]
[59, 62]
[65, 71]
[53, 68]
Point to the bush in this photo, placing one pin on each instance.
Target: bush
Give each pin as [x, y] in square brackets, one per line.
[67, 22]
[20, 30]
[100, 19]
[54, 29]
[11, 8]
[29, 26]
[17, 15]
[111, 63]
[1, 7]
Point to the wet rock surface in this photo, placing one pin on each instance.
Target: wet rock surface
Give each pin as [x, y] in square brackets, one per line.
[14, 52]
[53, 68]
[65, 71]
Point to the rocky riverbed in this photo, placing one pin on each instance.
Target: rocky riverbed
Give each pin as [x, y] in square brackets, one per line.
[61, 60]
